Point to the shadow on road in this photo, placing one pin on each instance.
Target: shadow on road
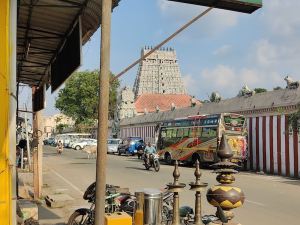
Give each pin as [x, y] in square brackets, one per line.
[291, 181]
[46, 214]
[82, 163]
[135, 168]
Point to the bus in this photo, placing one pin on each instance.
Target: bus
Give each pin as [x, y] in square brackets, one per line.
[197, 138]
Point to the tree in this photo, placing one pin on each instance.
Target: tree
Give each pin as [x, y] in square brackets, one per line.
[260, 90]
[60, 127]
[277, 88]
[79, 98]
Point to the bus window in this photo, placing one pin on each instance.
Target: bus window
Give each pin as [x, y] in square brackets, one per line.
[199, 131]
[174, 131]
[180, 132]
[186, 132]
[169, 133]
[193, 132]
[209, 132]
[163, 133]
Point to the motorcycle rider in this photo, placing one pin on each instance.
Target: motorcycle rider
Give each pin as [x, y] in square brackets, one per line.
[148, 151]
[60, 147]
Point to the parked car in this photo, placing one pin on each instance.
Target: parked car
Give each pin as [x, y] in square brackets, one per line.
[112, 145]
[130, 145]
[80, 144]
[49, 141]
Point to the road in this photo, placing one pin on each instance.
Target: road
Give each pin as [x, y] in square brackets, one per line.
[269, 199]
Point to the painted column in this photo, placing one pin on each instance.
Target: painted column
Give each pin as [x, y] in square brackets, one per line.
[5, 78]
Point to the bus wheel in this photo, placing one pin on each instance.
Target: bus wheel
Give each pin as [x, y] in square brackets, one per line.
[168, 158]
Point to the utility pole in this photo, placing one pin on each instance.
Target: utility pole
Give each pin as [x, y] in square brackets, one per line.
[37, 151]
[103, 111]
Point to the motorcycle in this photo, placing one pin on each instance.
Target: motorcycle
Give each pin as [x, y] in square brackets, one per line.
[114, 202]
[153, 161]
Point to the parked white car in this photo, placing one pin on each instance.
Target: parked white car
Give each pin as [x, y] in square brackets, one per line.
[80, 144]
[112, 145]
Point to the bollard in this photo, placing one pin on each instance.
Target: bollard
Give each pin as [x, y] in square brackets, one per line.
[176, 187]
[139, 210]
[198, 187]
[152, 207]
[225, 196]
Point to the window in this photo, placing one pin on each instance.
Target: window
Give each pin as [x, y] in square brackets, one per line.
[180, 132]
[174, 131]
[186, 132]
[169, 133]
[209, 132]
[199, 131]
[163, 133]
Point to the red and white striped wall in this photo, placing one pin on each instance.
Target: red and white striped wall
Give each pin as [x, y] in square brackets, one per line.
[272, 147]
[146, 132]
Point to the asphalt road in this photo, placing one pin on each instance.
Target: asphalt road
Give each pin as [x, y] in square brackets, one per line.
[269, 199]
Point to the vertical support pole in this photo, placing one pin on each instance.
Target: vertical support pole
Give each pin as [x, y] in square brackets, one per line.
[27, 141]
[103, 111]
[176, 218]
[37, 152]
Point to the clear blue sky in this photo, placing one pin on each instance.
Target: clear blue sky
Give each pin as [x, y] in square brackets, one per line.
[221, 52]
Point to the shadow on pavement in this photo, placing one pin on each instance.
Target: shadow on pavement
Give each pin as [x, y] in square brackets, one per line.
[46, 214]
[135, 168]
[292, 181]
[82, 163]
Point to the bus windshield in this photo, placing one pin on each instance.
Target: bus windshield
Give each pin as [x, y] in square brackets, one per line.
[234, 122]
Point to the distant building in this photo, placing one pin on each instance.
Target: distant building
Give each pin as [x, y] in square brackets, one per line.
[157, 87]
[159, 73]
[50, 123]
[126, 103]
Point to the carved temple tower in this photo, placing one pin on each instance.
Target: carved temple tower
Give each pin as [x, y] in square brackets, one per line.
[159, 73]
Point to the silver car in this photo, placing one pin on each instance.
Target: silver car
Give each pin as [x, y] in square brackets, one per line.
[112, 145]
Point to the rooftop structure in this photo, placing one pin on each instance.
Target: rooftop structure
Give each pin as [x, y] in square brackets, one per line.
[162, 102]
[275, 102]
[159, 73]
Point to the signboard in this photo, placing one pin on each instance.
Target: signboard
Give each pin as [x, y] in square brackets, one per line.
[245, 6]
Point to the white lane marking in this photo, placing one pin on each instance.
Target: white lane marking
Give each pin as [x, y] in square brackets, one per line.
[67, 181]
[255, 203]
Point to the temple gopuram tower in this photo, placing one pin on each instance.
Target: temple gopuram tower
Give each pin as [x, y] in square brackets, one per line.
[159, 73]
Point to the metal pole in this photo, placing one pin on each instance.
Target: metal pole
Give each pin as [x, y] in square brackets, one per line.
[103, 111]
[162, 43]
[27, 142]
[37, 153]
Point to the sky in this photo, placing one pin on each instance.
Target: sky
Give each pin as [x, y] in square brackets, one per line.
[221, 52]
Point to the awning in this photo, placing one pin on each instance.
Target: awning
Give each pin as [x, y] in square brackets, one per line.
[43, 29]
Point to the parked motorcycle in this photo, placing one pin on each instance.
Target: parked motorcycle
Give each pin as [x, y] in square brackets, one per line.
[153, 161]
[114, 202]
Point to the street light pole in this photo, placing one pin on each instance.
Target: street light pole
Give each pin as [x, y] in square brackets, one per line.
[103, 111]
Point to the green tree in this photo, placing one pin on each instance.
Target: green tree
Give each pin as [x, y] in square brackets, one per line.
[260, 90]
[79, 98]
[60, 127]
[277, 88]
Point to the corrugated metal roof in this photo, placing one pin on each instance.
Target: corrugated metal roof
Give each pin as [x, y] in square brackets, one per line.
[42, 28]
[266, 100]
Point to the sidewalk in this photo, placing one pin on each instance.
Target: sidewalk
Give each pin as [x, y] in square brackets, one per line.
[54, 185]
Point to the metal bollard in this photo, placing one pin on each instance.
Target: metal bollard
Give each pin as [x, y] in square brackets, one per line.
[139, 210]
[152, 207]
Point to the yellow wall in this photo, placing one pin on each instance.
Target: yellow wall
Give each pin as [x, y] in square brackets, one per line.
[5, 174]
